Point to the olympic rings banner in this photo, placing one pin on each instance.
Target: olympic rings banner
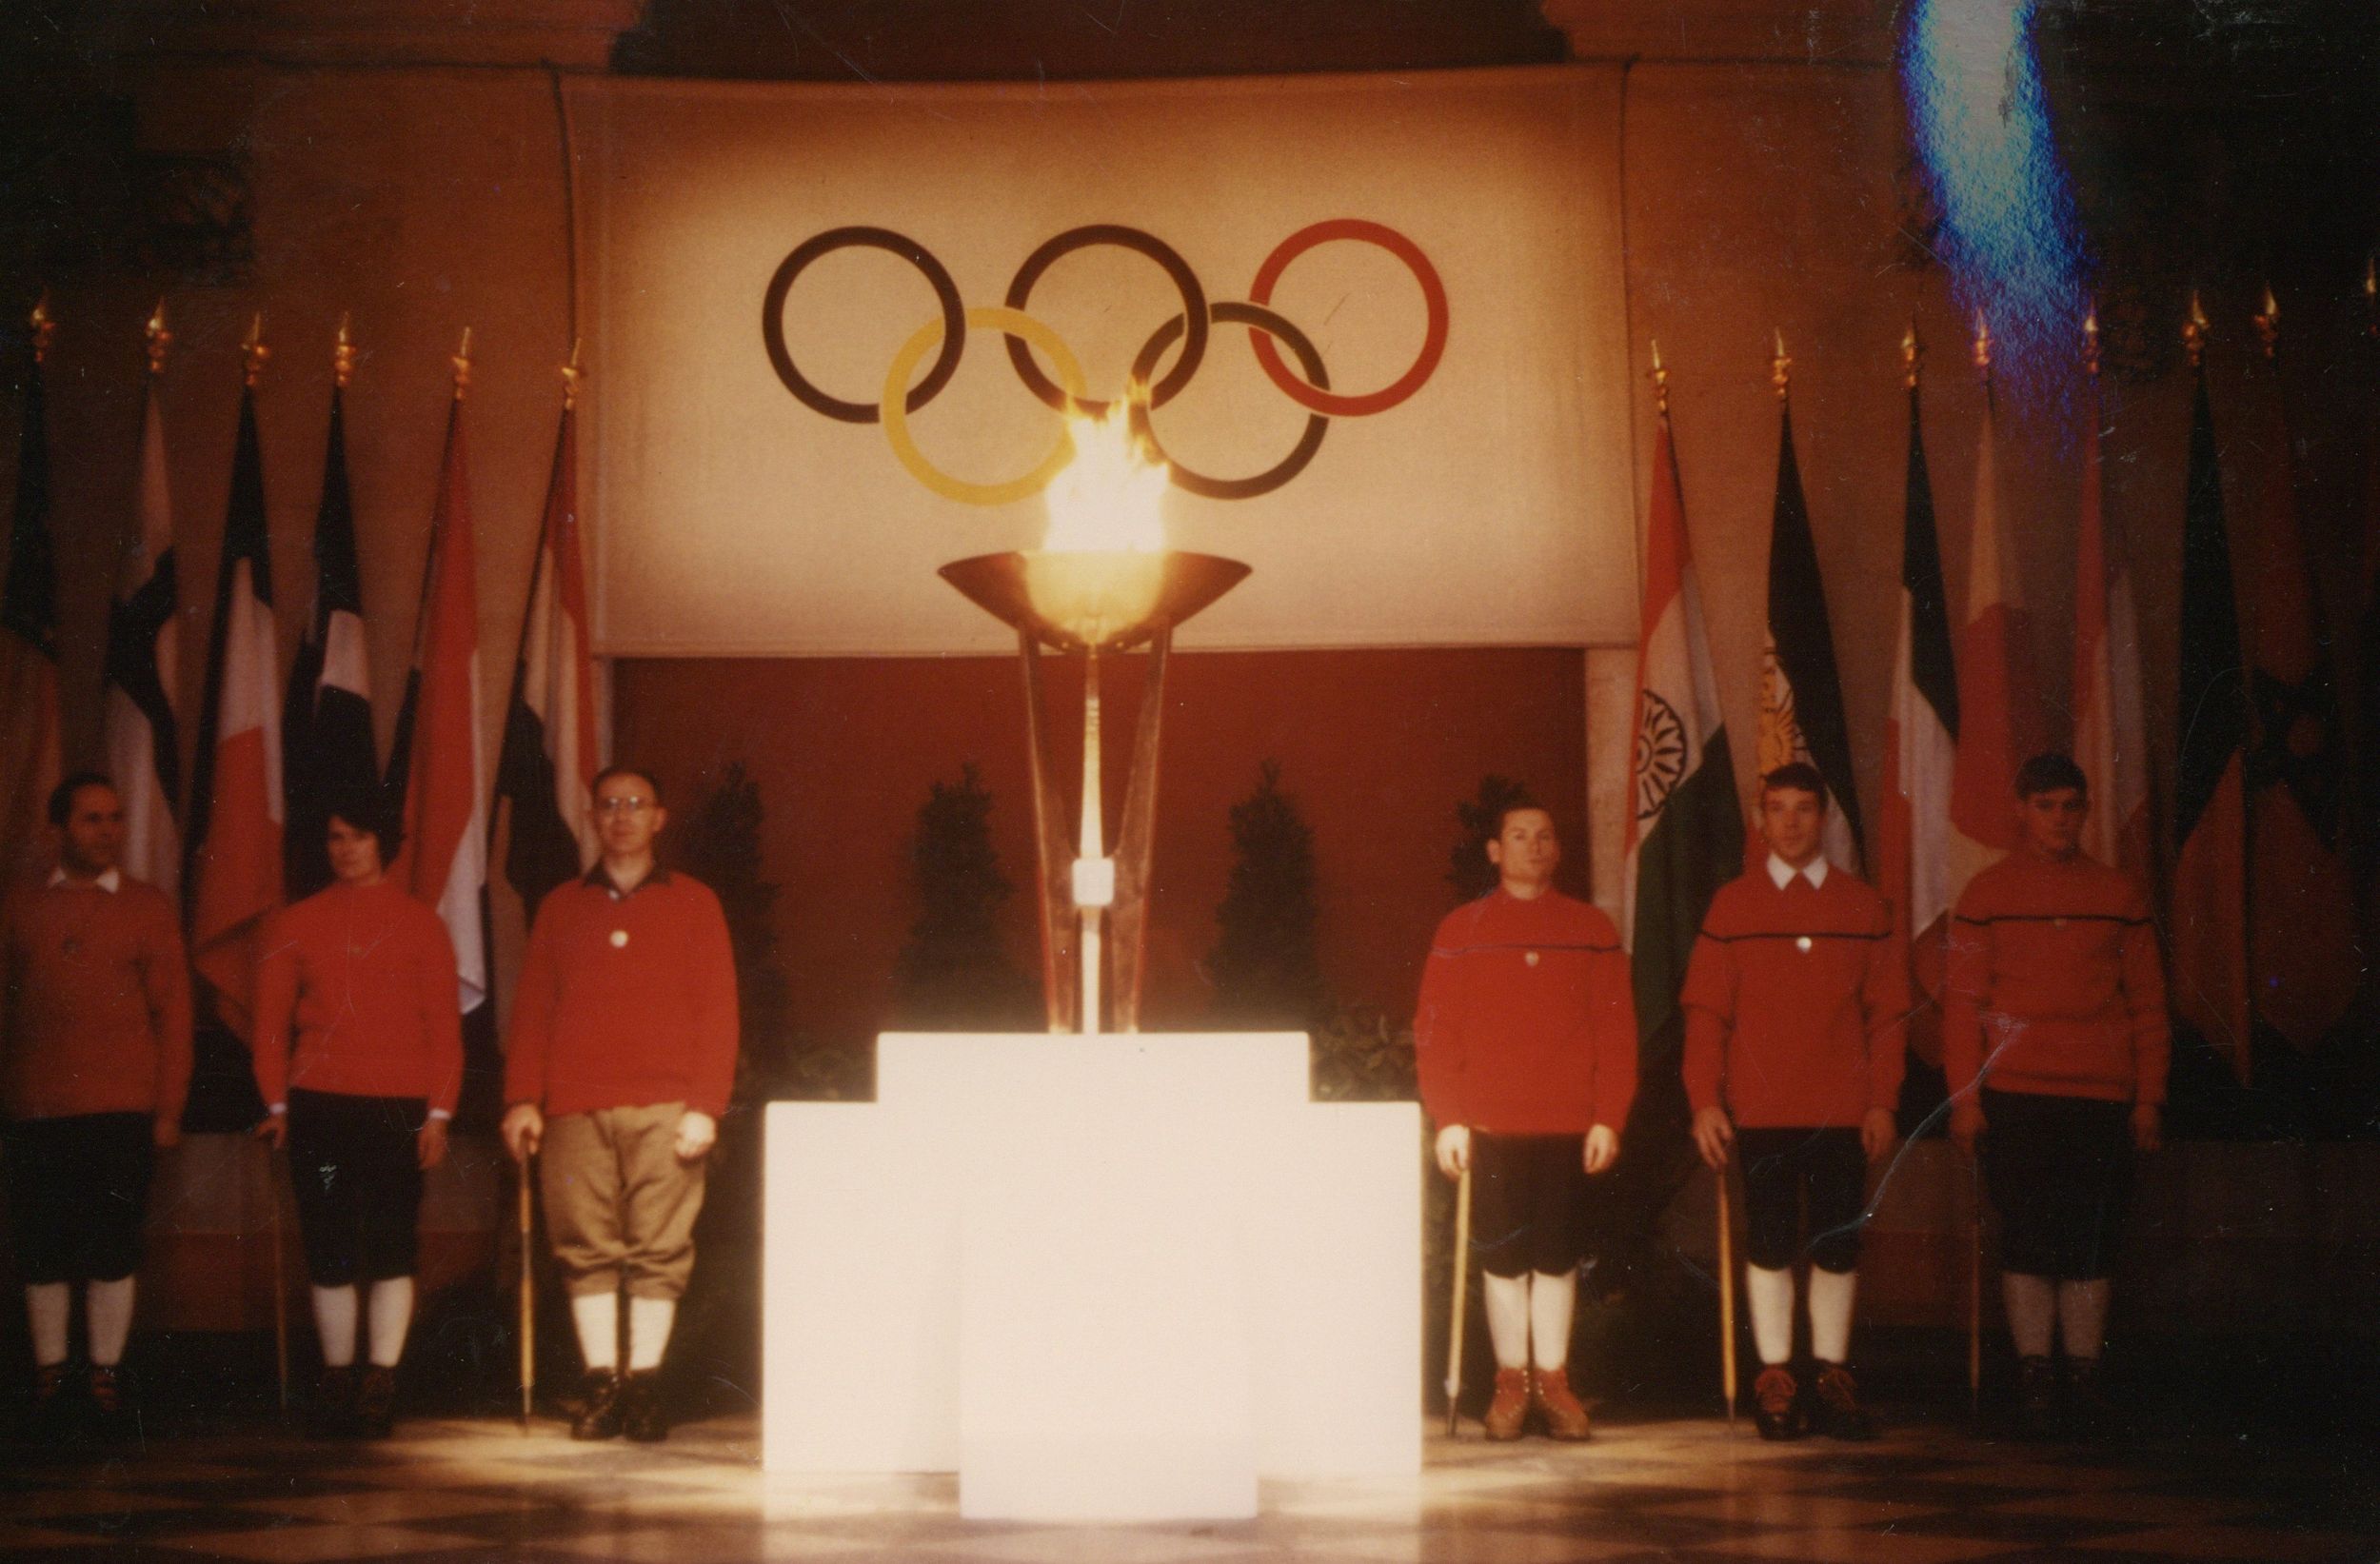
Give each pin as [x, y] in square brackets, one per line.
[834, 333]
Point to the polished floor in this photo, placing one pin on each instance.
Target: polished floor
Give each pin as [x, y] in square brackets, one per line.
[1933, 1494]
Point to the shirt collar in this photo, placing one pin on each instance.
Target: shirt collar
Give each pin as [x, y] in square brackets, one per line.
[1781, 873]
[600, 878]
[111, 880]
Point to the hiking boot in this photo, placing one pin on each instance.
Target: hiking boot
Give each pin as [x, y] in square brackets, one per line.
[2036, 1399]
[333, 1414]
[1551, 1398]
[376, 1402]
[1776, 1403]
[600, 1416]
[2090, 1413]
[641, 1416]
[1510, 1409]
[1835, 1411]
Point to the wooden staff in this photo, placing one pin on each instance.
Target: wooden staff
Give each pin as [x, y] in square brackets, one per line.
[280, 1287]
[1727, 1300]
[1463, 1279]
[528, 1304]
[1975, 1292]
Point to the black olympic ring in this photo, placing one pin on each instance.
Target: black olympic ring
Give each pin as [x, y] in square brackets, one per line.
[1193, 304]
[1257, 318]
[945, 293]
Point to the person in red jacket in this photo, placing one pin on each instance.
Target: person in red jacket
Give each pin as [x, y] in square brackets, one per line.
[620, 1059]
[1526, 1040]
[97, 1043]
[359, 1060]
[1796, 1008]
[2056, 1040]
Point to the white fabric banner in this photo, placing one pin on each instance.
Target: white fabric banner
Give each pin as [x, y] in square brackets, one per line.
[755, 258]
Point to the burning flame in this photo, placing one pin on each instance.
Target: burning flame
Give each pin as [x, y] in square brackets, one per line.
[1107, 499]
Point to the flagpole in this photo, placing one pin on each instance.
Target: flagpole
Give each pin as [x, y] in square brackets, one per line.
[573, 377]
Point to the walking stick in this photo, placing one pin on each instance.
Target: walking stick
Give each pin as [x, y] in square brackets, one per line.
[280, 1286]
[1727, 1301]
[1974, 1296]
[528, 1305]
[1462, 1277]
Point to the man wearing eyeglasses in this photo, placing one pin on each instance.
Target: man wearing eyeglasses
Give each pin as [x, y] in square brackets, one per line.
[621, 1056]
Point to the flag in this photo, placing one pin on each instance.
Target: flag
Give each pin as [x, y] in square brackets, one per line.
[143, 670]
[546, 767]
[436, 755]
[326, 729]
[1801, 699]
[2111, 736]
[232, 878]
[29, 644]
[1921, 743]
[2304, 962]
[1685, 830]
[2000, 720]
[2208, 894]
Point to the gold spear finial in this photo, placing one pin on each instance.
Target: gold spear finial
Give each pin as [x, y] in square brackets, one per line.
[1660, 382]
[572, 375]
[1913, 353]
[159, 339]
[254, 353]
[1983, 349]
[2269, 326]
[343, 353]
[2371, 296]
[2091, 342]
[45, 326]
[1781, 368]
[462, 362]
[2195, 331]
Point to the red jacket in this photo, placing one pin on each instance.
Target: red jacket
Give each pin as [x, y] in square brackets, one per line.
[98, 1002]
[2056, 984]
[366, 974]
[625, 1002]
[1526, 1024]
[1796, 1003]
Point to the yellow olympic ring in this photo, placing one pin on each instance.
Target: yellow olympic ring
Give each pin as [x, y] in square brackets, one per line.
[893, 410]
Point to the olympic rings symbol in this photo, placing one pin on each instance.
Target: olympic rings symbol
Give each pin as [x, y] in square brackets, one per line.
[945, 335]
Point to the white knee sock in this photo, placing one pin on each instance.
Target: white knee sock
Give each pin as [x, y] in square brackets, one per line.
[2082, 1314]
[597, 1315]
[1552, 1298]
[1507, 1300]
[334, 1325]
[47, 1307]
[649, 1319]
[1771, 1295]
[2031, 1304]
[107, 1311]
[391, 1315]
[1831, 1293]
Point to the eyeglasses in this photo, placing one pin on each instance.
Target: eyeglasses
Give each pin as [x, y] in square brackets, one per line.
[623, 806]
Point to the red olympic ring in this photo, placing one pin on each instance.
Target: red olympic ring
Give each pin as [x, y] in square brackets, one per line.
[1433, 294]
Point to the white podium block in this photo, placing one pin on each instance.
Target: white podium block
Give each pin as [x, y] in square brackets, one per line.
[1112, 1278]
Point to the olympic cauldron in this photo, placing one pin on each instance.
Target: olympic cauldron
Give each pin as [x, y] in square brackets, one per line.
[1103, 581]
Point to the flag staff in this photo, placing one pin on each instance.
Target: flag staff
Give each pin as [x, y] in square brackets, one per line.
[158, 338]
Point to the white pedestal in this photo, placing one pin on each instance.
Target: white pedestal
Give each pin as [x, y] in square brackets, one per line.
[1113, 1278]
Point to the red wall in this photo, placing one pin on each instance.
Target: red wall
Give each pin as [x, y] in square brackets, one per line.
[1377, 746]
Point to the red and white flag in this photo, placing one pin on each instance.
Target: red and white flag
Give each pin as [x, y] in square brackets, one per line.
[444, 858]
[234, 875]
[2110, 737]
[2000, 724]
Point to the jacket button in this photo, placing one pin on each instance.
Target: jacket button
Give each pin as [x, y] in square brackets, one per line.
[1802, 944]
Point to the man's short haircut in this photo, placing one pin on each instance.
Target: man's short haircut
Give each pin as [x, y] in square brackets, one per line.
[1801, 777]
[62, 796]
[2050, 771]
[370, 809]
[622, 770]
[1513, 805]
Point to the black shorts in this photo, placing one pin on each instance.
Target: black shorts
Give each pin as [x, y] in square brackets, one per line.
[2060, 1173]
[1785, 1167]
[1528, 1203]
[78, 1188]
[357, 1175]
